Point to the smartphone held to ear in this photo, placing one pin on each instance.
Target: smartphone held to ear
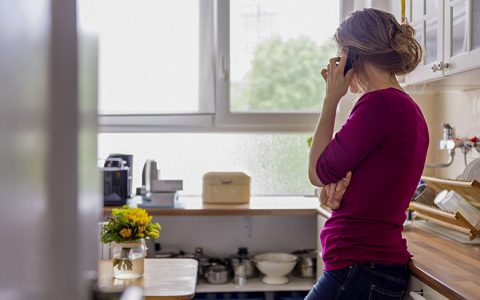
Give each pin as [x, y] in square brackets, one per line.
[350, 59]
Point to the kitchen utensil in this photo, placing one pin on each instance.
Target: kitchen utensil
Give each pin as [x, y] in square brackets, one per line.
[149, 173]
[226, 187]
[451, 201]
[275, 266]
[203, 261]
[423, 193]
[240, 278]
[243, 257]
[307, 262]
[217, 274]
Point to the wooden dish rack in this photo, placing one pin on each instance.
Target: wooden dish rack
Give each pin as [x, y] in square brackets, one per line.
[425, 208]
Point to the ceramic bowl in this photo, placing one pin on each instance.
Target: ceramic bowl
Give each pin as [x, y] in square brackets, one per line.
[275, 266]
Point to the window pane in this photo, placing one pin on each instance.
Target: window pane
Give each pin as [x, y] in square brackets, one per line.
[419, 34]
[431, 41]
[277, 51]
[276, 163]
[475, 24]
[148, 55]
[417, 9]
[459, 29]
[432, 8]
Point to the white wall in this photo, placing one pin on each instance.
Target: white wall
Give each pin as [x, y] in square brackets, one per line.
[222, 235]
[462, 110]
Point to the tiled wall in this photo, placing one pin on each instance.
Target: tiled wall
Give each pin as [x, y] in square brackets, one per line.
[461, 109]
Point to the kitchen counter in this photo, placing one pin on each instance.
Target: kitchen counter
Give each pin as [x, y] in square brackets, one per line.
[449, 267]
[166, 279]
[258, 206]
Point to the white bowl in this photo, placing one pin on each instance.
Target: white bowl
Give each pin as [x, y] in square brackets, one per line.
[275, 266]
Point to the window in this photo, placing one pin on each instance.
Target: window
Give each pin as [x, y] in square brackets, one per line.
[276, 51]
[238, 82]
[190, 64]
[146, 53]
[276, 162]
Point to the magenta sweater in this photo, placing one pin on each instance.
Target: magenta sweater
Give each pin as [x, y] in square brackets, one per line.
[384, 143]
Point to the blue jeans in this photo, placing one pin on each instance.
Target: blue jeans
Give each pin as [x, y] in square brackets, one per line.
[363, 281]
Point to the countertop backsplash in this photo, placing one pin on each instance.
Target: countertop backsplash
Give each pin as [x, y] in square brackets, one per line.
[461, 109]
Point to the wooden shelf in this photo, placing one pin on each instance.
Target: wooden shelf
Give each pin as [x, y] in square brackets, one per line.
[256, 285]
[258, 206]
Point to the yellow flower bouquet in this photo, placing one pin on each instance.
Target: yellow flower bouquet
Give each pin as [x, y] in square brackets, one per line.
[124, 226]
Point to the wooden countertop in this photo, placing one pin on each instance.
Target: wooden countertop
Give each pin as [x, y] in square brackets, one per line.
[163, 278]
[449, 267]
[271, 205]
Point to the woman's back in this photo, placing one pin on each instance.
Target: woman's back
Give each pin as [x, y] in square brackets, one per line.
[384, 144]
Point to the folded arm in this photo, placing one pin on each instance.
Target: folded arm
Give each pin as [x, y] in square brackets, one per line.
[363, 131]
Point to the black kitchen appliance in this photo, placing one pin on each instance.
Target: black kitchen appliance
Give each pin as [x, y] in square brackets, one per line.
[117, 179]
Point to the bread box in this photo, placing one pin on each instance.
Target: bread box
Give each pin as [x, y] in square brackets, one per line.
[226, 187]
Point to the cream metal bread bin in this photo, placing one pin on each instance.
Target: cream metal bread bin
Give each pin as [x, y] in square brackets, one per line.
[226, 187]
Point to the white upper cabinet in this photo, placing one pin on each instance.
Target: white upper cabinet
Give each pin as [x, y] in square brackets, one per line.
[449, 33]
[426, 16]
[462, 35]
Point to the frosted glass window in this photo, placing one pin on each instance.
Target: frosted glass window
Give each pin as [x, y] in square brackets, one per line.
[277, 49]
[431, 8]
[417, 9]
[431, 41]
[475, 24]
[459, 30]
[419, 34]
[276, 163]
[148, 55]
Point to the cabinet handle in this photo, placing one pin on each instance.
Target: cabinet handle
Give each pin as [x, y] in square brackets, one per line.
[438, 66]
[417, 295]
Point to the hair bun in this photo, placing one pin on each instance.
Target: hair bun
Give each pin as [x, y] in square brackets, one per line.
[405, 44]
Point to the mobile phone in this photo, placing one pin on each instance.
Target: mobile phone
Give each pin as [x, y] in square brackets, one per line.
[350, 59]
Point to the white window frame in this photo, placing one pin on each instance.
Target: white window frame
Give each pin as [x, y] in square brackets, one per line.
[214, 62]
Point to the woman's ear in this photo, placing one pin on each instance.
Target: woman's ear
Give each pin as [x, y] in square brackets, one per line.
[354, 84]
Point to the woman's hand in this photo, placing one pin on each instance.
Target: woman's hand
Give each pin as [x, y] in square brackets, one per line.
[337, 84]
[332, 194]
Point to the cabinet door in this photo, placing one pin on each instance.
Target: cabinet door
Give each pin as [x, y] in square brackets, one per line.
[427, 19]
[462, 35]
[420, 288]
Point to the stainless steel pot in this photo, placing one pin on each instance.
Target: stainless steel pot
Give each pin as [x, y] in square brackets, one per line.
[217, 274]
[203, 261]
[243, 258]
[307, 263]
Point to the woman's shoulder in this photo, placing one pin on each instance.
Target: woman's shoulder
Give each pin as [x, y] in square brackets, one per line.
[384, 98]
[389, 92]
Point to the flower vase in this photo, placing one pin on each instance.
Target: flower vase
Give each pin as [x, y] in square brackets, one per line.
[128, 259]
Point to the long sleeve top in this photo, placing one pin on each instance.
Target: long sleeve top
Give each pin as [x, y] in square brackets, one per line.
[384, 143]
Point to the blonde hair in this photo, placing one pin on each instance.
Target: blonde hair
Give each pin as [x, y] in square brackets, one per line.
[374, 36]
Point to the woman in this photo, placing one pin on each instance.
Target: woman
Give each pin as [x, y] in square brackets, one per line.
[383, 143]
